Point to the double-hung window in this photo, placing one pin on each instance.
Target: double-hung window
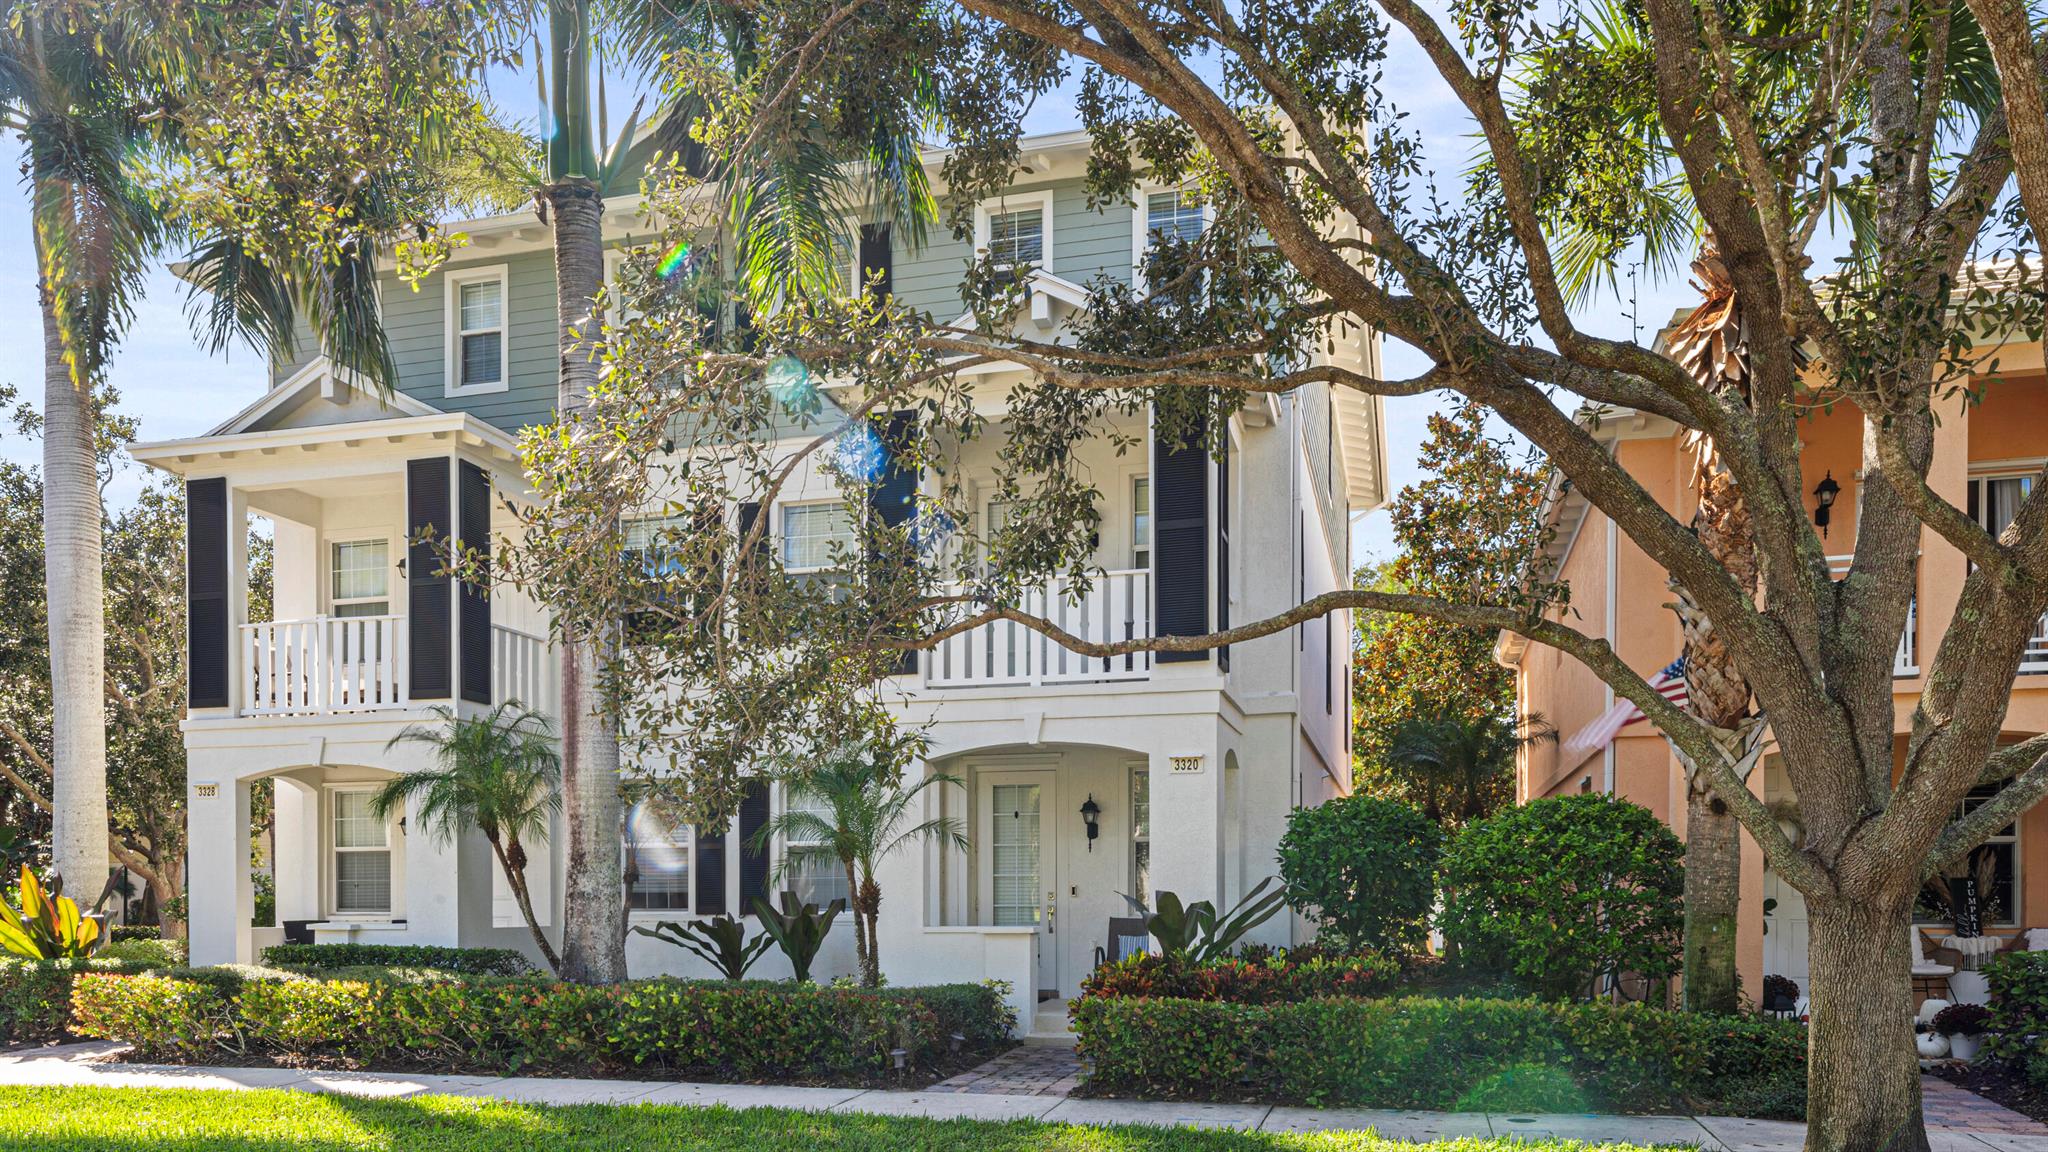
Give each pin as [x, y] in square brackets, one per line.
[1141, 834]
[814, 872]
[362, 855]
[657, 861]
[476, 322]
[1177, 214]
[1016, 229]
[812, 532]
[360, 580]
[1141, 522]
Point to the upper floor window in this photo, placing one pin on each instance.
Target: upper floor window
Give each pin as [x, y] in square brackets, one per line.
[811, 531]
[657, 861]
[1995, 500]
[1178, 214]
[362, 855]
[1141, 522]
[476, 330]
[1016, 230]
[360, 583]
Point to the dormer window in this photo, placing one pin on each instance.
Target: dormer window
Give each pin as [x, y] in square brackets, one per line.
[476, 330]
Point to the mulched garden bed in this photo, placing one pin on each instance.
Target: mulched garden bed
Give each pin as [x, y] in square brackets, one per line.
[1999, 1085]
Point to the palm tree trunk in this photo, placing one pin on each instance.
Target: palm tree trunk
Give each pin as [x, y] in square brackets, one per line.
[862, 944]
[871, 910]
[594, 900]
[515, 875]
[77, 615]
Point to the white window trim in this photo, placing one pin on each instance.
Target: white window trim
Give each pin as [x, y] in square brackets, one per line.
[452, 328]
[1016, 202]
[781, 528]
[1131, 477]
[394, 551]
[1140, 218]
[393, 845]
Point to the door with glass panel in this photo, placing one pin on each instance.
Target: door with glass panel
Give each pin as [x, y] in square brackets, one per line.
[1018, 885]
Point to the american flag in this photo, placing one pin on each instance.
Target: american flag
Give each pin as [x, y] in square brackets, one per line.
[1669, 683]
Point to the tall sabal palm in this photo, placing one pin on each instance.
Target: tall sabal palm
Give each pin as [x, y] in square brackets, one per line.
[1460, 767]
[859, 805]
[786, 201]
[498, 773]
[72, 91]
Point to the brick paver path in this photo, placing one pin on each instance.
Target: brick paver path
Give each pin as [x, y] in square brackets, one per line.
[1950, 1106]
[1026, 1070]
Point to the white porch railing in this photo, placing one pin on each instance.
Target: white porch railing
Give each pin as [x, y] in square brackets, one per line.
[523, 668]
[1118, 607]
[325, 664]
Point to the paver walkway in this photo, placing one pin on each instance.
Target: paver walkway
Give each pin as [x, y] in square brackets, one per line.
[93, 1065]
[1044, 1069]
[1951, 1106]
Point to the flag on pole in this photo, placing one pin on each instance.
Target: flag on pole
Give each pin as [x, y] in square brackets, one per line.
[1668, 683]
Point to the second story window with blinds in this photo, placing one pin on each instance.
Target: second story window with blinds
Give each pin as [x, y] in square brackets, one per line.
[361, 580]
[811, 532]
[476, 330]
[1177, 214]
[1141, 522]
[1017, 238]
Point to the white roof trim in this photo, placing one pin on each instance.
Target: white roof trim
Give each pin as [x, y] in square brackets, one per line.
[1039, 280]
[1361, 440]
[170, 455]
[318, 369]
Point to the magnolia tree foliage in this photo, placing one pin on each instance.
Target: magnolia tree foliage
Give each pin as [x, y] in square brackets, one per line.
[1917, 127]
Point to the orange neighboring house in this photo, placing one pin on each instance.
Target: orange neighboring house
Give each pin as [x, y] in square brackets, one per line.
[1986, 458]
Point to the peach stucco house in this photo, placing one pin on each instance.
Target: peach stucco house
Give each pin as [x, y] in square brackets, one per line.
[1986, 457]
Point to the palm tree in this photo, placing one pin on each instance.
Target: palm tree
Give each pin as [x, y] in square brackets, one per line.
[862, 806]
[498, 773]
[1459, 767]
[71, 91]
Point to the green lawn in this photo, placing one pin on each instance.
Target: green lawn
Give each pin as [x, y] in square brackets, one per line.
[176, 1120]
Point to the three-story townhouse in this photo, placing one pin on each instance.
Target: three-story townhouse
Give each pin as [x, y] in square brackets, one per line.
[1189, 765]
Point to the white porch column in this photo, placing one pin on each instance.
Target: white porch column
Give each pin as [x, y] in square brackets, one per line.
[295, 851]
[435, 887]
[1187, 818]
[220, 896]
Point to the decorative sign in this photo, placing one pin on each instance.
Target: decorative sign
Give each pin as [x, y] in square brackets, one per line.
[206, 791]
[1185, 764]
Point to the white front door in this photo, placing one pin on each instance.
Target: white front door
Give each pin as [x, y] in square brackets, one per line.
[1018, 881]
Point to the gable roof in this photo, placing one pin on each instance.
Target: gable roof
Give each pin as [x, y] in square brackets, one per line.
[319, 378]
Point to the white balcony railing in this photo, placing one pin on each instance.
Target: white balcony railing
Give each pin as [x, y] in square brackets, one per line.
[1117, 607]
[325, 664]
[523, 668]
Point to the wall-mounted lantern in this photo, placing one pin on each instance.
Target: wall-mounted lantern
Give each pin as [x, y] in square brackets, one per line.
[1824, 494]
[1091, 815]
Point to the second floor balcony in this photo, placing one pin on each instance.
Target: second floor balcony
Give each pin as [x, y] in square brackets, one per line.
[350, 664]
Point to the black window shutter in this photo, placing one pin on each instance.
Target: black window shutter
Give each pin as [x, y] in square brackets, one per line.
[473, 618]
[1180, 553]
[1223, 551]
[893, 498]
[427, 593]
[877, 275]
[208, 631]
[710, 874]
[753, 859]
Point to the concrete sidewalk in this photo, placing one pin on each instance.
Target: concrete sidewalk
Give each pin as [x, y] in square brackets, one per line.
[94, 1065]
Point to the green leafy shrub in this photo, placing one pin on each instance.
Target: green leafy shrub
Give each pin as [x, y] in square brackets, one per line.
[1394, 1053]
[164, 1017]
[1364, 867]
[1562, 890]
[797, 928]
[149, 952]
[1276, 978]
[1197, 932]
[125, 932]
[704, 1029]
[35, 995]
[49, 925]
[1523, 1088]
[2018, 1028]
[720, 941]
[468, 961]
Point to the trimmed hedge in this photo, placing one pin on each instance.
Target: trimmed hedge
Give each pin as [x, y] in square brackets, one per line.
[35, 996]
[2019, 1011]
[467, 961]
[1280, 979]
[697, 1029]
[1426, 1053]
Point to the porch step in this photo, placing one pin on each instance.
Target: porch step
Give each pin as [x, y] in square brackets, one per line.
[1051, 1024]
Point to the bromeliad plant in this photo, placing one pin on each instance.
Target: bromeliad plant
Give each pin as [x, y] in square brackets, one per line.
[1195, 933]
[49, 925]
[721, 941]
[798, 929]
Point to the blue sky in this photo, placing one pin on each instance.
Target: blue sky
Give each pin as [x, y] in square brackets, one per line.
[174, 388]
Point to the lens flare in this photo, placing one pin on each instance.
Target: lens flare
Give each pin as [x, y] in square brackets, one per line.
[789, 381]
[860, 454]
[674, 260]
